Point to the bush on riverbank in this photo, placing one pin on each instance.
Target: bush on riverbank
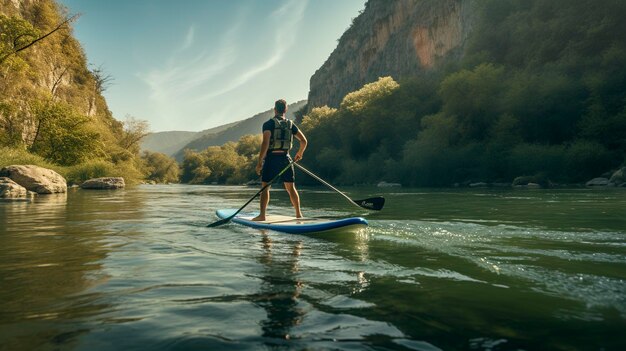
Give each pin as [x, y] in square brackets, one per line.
[160, 168]
[231, 163]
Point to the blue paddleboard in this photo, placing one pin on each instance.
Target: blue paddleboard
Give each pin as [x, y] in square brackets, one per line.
[293, 225]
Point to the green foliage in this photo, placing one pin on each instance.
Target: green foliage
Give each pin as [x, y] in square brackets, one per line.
[160, 167]
[51, 103]
[91, 169]
[248, 145]
[231, 163]
[63, 136]
[131, 134]
[358, 100]
[473, 97]
[15, 33]
[317, 116]
[11, 125]
[19, 156]
[540, 91]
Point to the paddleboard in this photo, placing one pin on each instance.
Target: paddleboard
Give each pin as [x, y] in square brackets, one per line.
[293, 225]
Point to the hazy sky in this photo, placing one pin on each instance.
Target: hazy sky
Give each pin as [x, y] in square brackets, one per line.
[196, 64]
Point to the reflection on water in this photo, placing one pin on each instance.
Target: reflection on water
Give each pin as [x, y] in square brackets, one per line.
[280, 290]
[51, 253]
[484, 270]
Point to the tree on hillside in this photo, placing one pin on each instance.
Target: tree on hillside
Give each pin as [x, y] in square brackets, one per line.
[63, 136]
[18, 34]
[134, 130]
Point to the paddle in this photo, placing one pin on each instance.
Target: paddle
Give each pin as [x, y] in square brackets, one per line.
[226, 220]
[373, 203]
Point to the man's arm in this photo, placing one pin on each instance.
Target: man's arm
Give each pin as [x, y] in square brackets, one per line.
[302, 139]
[264, 146]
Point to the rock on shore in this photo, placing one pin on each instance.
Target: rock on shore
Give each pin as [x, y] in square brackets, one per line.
[105, 183]
[34, 178]
[10, 189]
[598, 182]
[618, 178]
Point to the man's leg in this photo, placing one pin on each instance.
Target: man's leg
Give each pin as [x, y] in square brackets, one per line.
[265, 200]
[294, 197]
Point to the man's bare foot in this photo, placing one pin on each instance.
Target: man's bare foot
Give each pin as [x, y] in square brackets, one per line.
[298, 215]
[259, 218]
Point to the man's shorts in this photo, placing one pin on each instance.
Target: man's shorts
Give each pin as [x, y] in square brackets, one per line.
[273, 164]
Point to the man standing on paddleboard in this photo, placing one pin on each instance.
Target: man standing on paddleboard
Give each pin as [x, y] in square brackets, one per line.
[278, 133]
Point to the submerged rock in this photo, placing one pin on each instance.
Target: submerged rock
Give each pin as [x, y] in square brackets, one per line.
[618, 178]
[10, 189]
[531, 182]
[34, 178]
[598, 182]
[384, 184]
[104, 183]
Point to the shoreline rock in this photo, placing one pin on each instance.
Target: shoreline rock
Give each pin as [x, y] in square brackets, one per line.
[597, 182]
[34, 178]
[384, 184]
[618, 178]
[104, 183]
[10, 189]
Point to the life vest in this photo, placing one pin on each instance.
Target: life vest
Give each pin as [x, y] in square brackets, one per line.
[282, 136]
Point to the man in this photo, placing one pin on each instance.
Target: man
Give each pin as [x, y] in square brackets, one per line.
[278, 133]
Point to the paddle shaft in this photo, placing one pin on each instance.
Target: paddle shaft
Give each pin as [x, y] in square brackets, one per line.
[328, 185]
[226, 220]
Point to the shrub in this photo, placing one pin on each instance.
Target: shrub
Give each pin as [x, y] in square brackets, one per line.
[14, 156]
[92, 169]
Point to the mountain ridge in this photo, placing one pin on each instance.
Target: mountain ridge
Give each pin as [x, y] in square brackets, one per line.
[173, 143]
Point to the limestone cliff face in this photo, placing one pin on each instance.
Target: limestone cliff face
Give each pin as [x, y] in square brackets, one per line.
[56, 68]
[400, 38]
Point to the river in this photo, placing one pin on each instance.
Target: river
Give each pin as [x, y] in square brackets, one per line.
[479, 269]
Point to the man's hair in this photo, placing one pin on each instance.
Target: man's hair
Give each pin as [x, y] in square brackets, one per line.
[280, 106]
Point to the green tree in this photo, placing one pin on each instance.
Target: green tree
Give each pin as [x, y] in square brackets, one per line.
[473, 97]
[358, 100]
[160, 167]
[62, 135]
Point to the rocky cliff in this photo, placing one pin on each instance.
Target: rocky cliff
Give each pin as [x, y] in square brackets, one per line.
[53, 69]
[398, 38]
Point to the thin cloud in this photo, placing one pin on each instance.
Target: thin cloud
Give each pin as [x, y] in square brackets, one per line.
[284, 38]
[189, 38]
[183, 75]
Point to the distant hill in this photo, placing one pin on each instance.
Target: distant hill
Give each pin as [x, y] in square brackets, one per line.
[171, 142]
[166, 142]
[234, 131]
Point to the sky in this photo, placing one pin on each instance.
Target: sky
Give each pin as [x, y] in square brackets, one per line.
[197, 64]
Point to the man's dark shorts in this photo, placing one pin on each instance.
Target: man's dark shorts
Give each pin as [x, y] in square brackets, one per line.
[273, 164]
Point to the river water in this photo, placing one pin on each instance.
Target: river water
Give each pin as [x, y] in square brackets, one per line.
[485, 269]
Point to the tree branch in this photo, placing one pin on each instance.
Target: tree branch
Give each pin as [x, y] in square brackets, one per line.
[61, 25]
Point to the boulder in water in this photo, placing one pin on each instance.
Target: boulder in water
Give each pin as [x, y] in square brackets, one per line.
[598, 182]
[34, 178]
[384, 184]
[104, 183]
[618, 178]
[10, 189]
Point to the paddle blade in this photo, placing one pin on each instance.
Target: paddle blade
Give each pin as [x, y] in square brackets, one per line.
[220, 222]
[373, 203]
